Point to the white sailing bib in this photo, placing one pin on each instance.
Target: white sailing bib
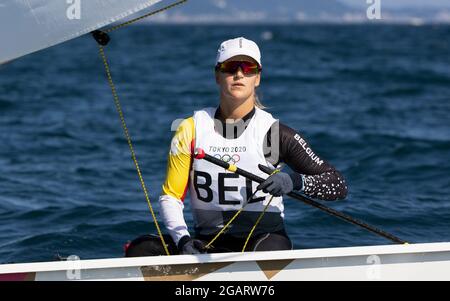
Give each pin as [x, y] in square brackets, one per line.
[215, 191]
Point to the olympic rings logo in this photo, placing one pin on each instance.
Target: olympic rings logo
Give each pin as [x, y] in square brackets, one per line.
[228, 158]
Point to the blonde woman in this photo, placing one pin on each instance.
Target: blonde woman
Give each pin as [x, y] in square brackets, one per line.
[237, 130]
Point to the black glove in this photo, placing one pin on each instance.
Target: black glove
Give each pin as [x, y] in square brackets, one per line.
[188, 245]
[277, 184]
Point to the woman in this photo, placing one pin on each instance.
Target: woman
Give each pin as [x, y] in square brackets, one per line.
[240, 131]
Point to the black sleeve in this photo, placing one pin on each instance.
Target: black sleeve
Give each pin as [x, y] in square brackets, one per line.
[312, 175]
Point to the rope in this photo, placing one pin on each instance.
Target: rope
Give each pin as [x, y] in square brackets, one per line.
[259, 217]
[130, 144]
[236, 215]
[144, 16]
[229, 222]
[102, 38]
[256, 224]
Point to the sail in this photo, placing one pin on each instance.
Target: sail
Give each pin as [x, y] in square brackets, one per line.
[30, 25]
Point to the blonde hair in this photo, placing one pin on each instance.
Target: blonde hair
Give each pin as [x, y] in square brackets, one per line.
[258, 102]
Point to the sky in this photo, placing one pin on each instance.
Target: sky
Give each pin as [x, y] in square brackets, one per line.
[403, 3]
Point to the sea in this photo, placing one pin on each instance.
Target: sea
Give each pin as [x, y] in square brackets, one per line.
[372, 100]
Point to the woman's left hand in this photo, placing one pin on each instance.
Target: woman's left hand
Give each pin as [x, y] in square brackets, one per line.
[277, 184]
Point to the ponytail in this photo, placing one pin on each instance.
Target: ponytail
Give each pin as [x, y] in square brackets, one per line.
[258, 103]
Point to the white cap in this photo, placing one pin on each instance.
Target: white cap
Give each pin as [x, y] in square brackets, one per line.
[238, 46]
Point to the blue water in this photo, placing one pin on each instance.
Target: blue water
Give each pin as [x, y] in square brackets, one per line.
[372, 100]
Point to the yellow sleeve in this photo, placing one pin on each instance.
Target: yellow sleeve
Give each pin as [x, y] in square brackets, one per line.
[179, 160]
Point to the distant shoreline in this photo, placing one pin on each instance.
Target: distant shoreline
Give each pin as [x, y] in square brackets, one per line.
[249, 23]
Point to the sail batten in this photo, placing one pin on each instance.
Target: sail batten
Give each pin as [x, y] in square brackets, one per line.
[27, 26]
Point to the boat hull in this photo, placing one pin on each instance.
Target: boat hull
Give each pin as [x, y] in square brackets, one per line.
[393, 262]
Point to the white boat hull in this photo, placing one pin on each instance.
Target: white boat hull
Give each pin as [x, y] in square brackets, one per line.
[393, 262]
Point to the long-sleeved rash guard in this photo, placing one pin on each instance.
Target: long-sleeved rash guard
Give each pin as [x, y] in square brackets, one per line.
[311, 175]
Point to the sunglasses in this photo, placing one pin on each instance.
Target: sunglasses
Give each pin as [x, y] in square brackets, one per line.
[232, 67]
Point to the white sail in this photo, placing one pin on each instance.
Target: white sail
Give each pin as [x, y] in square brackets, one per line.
[30, 25]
